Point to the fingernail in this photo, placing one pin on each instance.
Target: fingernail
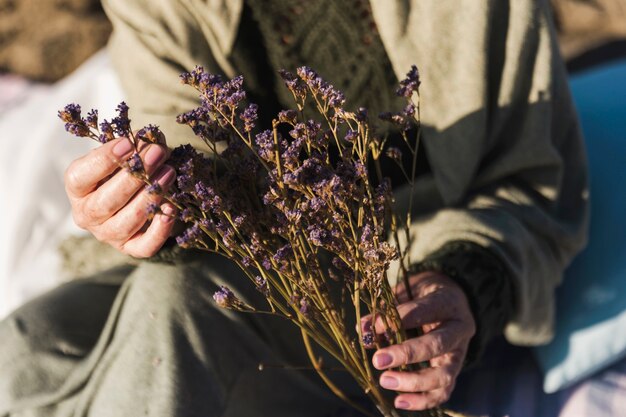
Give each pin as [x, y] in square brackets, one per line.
[382, 360]
[402, 404]
[389, 382]
[167, 209]
[154, 155]
[122, 148]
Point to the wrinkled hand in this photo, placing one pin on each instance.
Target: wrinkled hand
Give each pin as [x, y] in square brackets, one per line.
[111, 203]
[441, 309]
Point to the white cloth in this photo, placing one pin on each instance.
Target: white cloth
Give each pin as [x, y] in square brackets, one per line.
[36, 150]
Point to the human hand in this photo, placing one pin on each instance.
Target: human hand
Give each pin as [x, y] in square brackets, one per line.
[440, 308]
[112, 204]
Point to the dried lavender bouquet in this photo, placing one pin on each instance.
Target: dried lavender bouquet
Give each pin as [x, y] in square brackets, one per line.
[294, 206]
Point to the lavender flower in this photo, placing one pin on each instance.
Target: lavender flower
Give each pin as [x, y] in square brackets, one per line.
[106, 132]
[288, 116]
[92, 119]
[152, 209]
[368, 339]
[121, 123]
[262, 286]
[410, 84]
[249, 117]
[351, 135]
[151, 134]
[135, 164]
[224, 297]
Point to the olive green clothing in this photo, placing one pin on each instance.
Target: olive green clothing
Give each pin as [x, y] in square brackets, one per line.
[149, 341]
[500, 132]
[506, 173]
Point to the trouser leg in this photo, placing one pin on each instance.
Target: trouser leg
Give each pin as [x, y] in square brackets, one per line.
[167, 350]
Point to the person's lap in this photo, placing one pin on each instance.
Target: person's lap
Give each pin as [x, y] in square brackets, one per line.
[154, 344]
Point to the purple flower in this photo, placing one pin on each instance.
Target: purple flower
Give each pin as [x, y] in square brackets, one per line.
[283, 254]
[189, 236]
[306, 74]
[106, 131]
[319, 236]
[267, 264]
[249, 117]
[360, 169]
[367, 235]
[77, 129]
[70, 113]
[121, 123]
[305, 307]
[154, 188]
[293, 84]
[351, 135]
[288, 116]
[186, 215]
[410, 84]
[265, 145]
[261, 285]
[92, 119]
[135, 164]
[152, 134]
[409, 110]
[184, 182]
[224, 297]
[316, 204]
[152, 209]
[368, 339]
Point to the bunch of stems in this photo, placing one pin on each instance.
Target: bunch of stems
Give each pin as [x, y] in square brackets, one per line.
[295, 207]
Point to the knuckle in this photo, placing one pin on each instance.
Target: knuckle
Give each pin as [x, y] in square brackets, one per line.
[433, 401]
[443, 397]
[139, 252]
[407, 354]
[79, 219]
[446, 379]
[415, 384]
[93, 212]
[103, 234]
[435, 346]
[71, 178]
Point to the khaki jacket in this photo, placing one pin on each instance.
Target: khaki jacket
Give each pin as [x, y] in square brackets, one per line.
[501, 135]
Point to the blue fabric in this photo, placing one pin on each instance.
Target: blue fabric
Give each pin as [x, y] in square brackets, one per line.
[591, 303]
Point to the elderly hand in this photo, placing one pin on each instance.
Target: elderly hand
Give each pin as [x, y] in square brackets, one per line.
[112, 204]
[440, 308]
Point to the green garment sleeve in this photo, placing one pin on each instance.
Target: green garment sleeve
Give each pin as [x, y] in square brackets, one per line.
[502, 140]
[485, 281]
[153, 42]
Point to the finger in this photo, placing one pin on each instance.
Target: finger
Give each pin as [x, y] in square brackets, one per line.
[131, 218]
[84, 174]
[423, 400]
[117, 191]
[148, 243]
[435, 343]
[422, 284]
[427, 379]
[433, 308]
